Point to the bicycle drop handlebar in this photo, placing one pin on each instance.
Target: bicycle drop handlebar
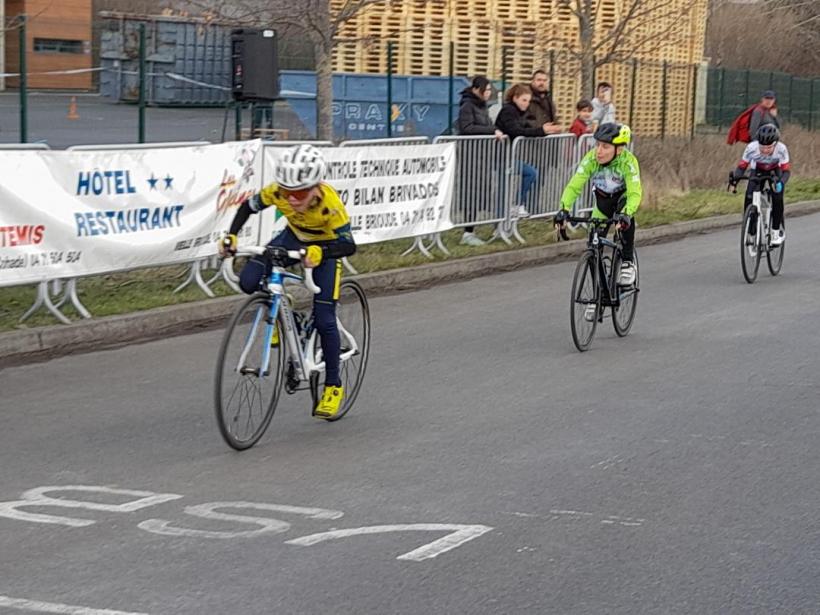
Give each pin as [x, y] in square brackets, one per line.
[278, 255]
[765, 175]
[562, 230]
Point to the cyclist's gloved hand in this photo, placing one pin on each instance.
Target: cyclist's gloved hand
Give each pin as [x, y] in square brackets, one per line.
[227, 246]
[778, 187]
[312, 256]
[561, 217]
[623, 221]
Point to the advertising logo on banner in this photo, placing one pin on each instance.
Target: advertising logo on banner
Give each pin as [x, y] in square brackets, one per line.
[390, 192]
[67, 214]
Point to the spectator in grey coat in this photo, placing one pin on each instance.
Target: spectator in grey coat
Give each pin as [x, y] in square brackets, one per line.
[764, 113]
[603, 110]
[474, 119]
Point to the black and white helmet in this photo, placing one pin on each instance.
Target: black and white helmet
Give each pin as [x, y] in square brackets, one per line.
[302, 166]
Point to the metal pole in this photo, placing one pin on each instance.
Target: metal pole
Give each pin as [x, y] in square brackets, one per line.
[552, 73]
[238, 120]
[791, 94]
[23, 83]
[632, 89]
[720, 98]
[746, 103]
[141, 121]
[663, 101]
[504, 68]
[389, 89]
[811, 104]
[594, 77]
[450, 85]
[694, 101]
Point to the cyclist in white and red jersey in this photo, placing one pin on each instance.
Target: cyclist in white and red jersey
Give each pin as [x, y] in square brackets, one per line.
[764, 156]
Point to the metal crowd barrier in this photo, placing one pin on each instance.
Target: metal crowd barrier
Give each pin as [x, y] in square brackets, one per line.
[24, 146]
[486, 191]
[275, 143]
[47, 288]
[554, 159]
[390, 141]
[586, 201]
[480, 194]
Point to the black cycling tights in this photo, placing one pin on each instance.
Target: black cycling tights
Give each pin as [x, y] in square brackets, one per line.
[777, 206]
[611, 206]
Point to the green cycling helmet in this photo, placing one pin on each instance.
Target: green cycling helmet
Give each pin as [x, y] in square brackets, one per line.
[616, 134]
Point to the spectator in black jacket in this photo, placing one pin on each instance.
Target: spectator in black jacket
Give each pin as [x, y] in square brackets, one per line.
[512, 121]
[474, 119]
[541, 111]
[473, 116]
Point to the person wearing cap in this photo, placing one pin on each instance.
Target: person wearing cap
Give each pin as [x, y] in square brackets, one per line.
[764, 113]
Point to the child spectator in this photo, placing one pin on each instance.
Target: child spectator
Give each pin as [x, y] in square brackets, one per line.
[583, 121]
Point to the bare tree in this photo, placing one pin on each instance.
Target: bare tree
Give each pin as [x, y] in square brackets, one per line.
[771, 35]
[321, 21]
[626, 37]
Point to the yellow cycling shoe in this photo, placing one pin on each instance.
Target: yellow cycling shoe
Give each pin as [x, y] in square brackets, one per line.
[331, 401]
[274, 336]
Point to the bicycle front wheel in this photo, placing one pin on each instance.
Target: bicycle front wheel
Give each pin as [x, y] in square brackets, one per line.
[585, 303]
[353, 319]
[249, 372]
[750, 247]
[624, 315]
[774, 257]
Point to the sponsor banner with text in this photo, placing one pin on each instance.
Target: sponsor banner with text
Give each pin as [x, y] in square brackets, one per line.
[69, 214]
[390, 192]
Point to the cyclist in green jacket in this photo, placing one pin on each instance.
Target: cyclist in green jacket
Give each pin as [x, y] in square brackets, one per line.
[616, 180]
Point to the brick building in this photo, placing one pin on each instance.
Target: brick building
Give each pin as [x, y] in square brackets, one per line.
[58, 38]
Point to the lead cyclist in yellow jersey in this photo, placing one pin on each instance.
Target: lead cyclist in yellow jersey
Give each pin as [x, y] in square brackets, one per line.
[318, 223]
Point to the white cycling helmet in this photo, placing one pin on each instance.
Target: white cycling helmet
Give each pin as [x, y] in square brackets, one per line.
[302, 166]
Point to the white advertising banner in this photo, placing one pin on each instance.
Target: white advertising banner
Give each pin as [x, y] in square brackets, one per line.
[390, 192]
[68, 214]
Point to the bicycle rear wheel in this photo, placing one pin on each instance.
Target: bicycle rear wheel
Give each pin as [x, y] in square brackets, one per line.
[584, 294]
[624, 315]
[750, 252]
[774, 257]
[353, 315]
[245, 394]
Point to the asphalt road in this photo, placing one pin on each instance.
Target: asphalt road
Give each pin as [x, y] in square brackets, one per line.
[673, 471]
[101, 121]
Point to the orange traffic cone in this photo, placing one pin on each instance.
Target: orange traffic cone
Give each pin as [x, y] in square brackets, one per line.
[72, 109]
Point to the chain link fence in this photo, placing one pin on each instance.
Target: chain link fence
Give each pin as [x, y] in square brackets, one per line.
[730, 91]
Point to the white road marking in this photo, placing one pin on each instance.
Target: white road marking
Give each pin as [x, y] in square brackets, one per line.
[576, 515]
[460, 535]
[37, 606]
[573, 513]
[705, 438]
[268, 525]
[607, 463]
[38, 497]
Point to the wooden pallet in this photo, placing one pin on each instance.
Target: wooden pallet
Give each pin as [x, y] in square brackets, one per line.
[481, 29]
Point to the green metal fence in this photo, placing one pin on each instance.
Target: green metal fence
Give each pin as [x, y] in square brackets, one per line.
[730, 91]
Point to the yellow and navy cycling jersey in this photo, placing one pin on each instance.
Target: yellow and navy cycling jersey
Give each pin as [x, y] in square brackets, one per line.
[325, 219]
